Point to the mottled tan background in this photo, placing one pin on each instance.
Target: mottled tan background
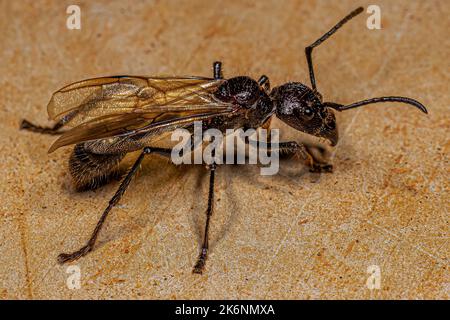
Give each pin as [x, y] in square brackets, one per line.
[294, 235]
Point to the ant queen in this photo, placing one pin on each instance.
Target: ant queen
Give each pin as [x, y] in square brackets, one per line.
[113, 116]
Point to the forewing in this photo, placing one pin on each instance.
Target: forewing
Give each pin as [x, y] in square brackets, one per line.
[125, 106]
[86, 100]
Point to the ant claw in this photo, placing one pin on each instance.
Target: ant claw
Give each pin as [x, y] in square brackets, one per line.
[68, 257]
[319, 168]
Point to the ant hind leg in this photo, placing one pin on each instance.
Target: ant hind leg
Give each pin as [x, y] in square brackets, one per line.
[27, 125]
[67, 257]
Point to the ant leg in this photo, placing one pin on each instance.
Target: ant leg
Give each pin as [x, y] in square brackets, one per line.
[27, 125]
[201, 261]
[217, 70]
[264, 82]
[308, 50]
[299, 149]
[320, 156]
[66, 257]
[90, 170]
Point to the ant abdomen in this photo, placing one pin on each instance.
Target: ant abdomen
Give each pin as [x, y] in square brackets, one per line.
[91, 170]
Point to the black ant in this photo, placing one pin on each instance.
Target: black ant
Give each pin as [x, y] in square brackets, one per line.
[113, 116]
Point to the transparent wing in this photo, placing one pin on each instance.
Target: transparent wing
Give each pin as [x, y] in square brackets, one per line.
[129, 125]
[133, 106]
[88, 99]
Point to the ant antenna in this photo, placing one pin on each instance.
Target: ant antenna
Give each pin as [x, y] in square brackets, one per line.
[308, 50]
[410, 101]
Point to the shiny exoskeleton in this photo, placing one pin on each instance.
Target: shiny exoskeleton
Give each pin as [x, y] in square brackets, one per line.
[108, 126]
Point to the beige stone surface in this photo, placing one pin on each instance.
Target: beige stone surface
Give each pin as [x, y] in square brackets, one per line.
[291, 236]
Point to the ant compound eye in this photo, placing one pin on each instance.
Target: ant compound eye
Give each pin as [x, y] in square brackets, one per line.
[308, 113]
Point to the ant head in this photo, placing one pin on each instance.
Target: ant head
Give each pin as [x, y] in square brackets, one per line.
[302, 108]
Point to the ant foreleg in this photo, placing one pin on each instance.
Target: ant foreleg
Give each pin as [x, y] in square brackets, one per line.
[321, 156]
[293, 148]
[299, 149]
